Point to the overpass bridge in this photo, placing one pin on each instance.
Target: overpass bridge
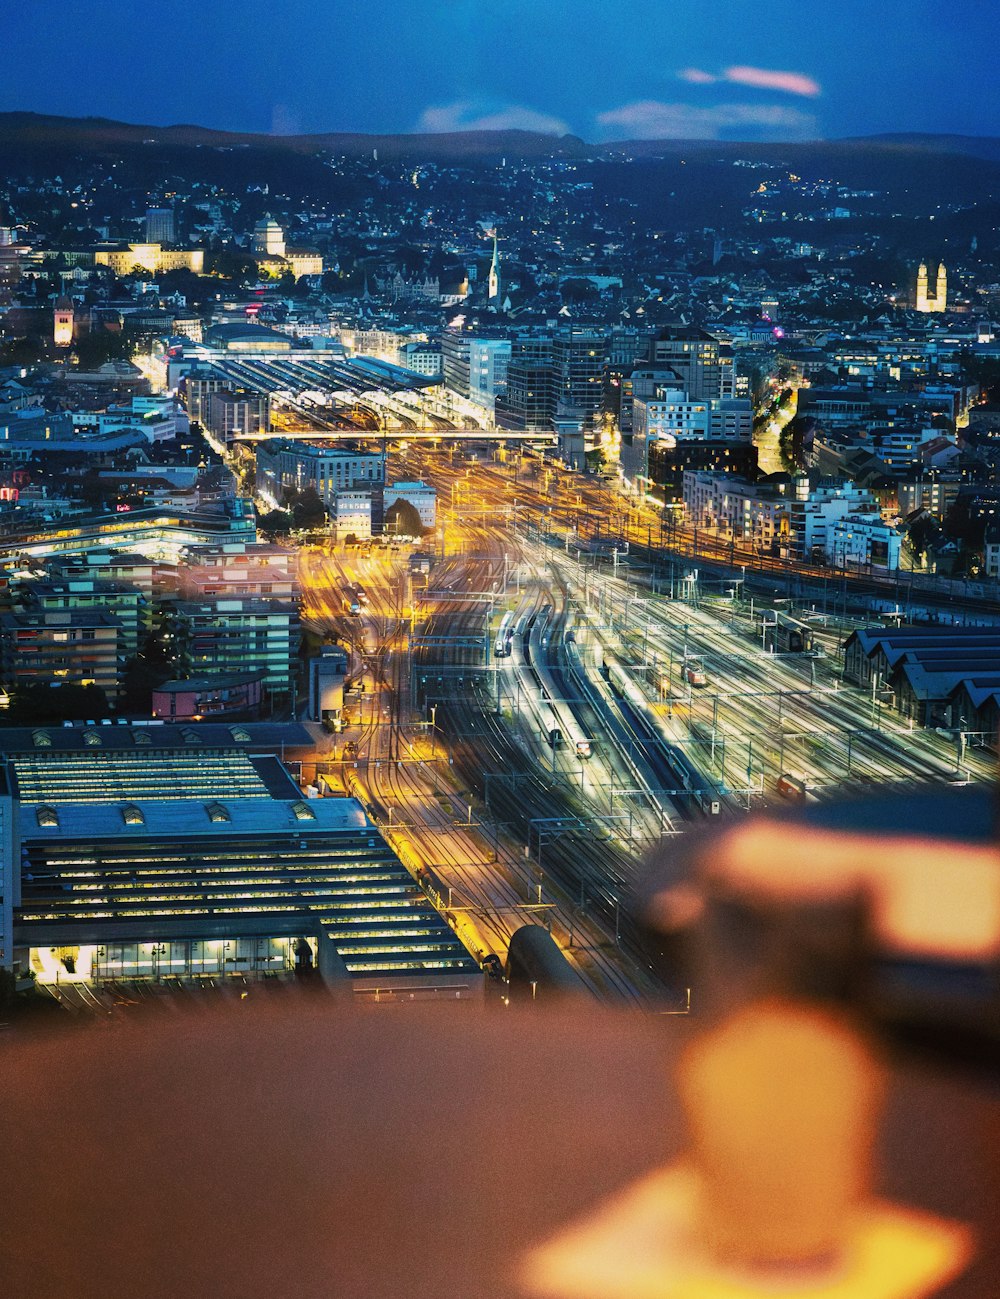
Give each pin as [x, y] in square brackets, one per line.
[418, 433]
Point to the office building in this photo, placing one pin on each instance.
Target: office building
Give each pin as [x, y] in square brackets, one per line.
[705, 367]
[282, 463]
[160, 225]
[229, 412]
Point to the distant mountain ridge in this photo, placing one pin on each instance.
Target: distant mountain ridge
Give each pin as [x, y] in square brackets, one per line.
[23, 130]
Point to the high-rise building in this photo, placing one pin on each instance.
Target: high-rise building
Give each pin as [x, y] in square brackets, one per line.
[160, 225]
[455, 359]
[530, 400]
[705, 367]
[489, 359]
[578, 361]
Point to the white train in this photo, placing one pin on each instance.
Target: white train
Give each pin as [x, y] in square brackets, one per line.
[564, 722]
[505, 633]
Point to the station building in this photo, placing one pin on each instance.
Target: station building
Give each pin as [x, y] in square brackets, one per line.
[187, 852]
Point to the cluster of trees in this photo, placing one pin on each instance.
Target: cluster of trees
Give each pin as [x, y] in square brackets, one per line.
[299, 510]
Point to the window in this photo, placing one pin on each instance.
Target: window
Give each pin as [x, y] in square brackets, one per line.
[133, 815]
[303, 812]
[46, 816]
[42, 739]
[217, 812]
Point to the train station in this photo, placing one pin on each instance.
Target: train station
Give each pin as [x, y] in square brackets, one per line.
[189, 853]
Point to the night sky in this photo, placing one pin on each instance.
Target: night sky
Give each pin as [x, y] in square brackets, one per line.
[601, 69]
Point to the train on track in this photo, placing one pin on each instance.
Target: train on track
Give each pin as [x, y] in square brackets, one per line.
[505, 637]
[786, 635]
[560, 721]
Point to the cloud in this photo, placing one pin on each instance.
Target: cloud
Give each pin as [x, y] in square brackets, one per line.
[463, 116]
[793, 83]
[649, 119]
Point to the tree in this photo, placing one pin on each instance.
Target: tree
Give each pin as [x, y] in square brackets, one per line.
[309, 510]
[20, 351]
[275, 523]
[403, 519]
[40, 702]
[94, 350]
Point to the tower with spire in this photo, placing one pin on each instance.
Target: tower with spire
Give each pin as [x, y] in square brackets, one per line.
[493, 284]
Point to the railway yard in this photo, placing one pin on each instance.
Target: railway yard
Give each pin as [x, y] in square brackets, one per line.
[549, 705]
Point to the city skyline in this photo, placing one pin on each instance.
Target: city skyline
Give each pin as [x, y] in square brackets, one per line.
[569, 67]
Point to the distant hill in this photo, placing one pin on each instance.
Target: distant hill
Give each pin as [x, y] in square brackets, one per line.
[48, 134]
[37, 130]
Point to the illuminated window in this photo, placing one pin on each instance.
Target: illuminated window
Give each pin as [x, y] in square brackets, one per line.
[303, 812]
[42, 739]
[132, 815]
[92, 738]
[216, 812]
[46, 816]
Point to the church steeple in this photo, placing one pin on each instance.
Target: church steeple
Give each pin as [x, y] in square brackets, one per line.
[493, 286]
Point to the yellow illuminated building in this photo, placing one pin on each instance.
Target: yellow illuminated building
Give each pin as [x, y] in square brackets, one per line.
[153, 258]
[936, 301]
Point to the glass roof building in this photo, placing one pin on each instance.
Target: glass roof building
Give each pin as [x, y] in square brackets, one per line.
[166, 853]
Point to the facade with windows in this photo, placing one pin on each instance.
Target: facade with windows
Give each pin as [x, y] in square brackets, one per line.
[282, 463]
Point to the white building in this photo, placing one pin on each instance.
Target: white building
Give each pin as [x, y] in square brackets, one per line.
[864, 541]
[421, 358]
[351, 514]
[735, 507]
[158, 418]
[815, 516]
[669, 416]
[803, 520]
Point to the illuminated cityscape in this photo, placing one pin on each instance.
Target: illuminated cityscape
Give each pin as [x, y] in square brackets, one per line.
[496, 551]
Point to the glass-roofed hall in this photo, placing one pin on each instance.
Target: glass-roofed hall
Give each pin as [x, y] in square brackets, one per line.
[188, 852]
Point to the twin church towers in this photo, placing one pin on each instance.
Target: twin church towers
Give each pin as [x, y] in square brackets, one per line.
[936, 301]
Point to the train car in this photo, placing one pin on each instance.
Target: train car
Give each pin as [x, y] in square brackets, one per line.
[624, 684]
[537, 970]
[551, 729]
[786, 635]
[564, 721]
[694, 675]
[505, 632]
[791, 787]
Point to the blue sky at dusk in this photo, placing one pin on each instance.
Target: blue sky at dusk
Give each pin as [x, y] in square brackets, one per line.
[600, 69]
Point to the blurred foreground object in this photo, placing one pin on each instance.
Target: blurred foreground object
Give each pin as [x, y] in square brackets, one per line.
[892, 907]
[774, 1196]
[781, 1103]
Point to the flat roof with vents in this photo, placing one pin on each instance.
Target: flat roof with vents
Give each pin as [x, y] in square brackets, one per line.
[106, 871]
